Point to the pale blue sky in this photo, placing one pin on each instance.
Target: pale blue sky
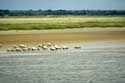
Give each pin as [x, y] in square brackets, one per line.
[63, 4]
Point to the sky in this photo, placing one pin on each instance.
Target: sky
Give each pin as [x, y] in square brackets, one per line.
[63, 4]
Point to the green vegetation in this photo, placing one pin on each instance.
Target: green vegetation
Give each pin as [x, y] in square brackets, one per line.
[60, 22]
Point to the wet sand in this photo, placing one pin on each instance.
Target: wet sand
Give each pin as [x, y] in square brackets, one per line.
[61, 36]
[95, 62]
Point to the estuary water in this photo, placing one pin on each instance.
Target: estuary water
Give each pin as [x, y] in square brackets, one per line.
[97, 62]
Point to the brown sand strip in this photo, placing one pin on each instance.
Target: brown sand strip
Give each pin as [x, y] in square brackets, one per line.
[61, 36]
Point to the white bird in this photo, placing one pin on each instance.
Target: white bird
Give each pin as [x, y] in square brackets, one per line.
[22, 46]
[49, 44]
[18, 49]
[64, 47]
[40, 45]
[77, 47]
[57, 47]
[34, 48]
[52, 48]
[25, 49]
[44, 47]
[10, 50]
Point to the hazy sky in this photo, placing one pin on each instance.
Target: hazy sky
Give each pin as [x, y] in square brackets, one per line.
[63, 4]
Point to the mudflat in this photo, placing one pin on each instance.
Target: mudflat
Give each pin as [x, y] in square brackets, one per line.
[61, 35]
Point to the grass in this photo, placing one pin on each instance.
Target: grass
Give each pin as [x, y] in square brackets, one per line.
[62, 22]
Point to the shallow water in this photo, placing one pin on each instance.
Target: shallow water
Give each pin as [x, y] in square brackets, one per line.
[99, 62]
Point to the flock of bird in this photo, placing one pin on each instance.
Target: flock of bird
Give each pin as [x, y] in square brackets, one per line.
[48, 46]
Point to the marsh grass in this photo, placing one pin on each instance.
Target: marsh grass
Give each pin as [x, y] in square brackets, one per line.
[36, 23]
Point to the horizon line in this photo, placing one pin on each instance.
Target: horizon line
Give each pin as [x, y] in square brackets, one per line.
[66, 9]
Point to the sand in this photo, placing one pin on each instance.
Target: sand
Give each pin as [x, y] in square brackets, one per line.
[61, 35]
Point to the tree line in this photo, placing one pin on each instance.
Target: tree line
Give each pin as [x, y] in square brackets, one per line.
[59, 12]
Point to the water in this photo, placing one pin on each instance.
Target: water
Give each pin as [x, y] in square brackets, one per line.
[101, 62]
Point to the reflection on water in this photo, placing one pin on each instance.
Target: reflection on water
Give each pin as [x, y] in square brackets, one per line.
[94, 63]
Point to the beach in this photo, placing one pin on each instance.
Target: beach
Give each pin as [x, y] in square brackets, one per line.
[35, 37]
[94, 62]
[100, 58]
